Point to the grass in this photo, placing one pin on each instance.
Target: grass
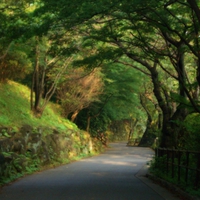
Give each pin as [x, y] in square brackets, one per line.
[15, 110]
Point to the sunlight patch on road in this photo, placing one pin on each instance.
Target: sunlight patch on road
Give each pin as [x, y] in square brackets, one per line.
[119, 163]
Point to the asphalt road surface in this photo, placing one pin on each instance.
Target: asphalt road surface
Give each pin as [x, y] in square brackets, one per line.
[117, 174]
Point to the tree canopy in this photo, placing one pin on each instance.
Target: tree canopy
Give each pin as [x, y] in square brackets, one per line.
[134, 43]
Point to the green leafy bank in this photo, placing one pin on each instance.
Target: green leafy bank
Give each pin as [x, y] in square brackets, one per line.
[29, 144]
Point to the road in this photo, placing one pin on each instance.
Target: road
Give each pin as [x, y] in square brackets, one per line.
[117, 174]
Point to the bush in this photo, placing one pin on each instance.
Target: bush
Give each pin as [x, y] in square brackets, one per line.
[190, 138]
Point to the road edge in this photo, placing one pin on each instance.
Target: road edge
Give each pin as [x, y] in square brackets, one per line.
[165, 189]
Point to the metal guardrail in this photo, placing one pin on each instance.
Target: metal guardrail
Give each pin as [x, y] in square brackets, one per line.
[181, 165]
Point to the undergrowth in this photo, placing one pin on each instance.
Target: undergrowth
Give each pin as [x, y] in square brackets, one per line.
[159, 169]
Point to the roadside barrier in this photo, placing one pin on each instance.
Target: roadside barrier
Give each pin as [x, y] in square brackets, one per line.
[180, 165]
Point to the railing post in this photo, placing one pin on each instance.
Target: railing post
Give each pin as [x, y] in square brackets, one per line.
[197, 171]
[179, 166]
[172, 163]
[187, 163]
[167, 161]
[157, 152]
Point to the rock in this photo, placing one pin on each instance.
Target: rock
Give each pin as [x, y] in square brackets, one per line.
[26, 129]
[30, 148]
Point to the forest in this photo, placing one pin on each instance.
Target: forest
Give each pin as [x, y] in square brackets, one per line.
[75, 75]
[108, 62]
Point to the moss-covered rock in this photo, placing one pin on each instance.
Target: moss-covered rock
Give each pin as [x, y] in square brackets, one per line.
[31, 148]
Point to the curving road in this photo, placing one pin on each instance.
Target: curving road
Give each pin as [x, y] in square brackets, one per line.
[116, 174]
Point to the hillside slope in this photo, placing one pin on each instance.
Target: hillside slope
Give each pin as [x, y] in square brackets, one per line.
[15, 109]
[29, 144]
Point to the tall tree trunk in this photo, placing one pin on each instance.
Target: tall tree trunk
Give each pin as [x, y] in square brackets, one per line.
[35, 81]
[166, 110]
[173, 124]
[198, 71]
[74, 115]
[88, 124]
[148, 136]
[132, 126]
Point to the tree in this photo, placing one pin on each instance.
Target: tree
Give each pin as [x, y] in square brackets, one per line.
[118, 101]
[122, 18]
[195, 7]
[177, 32]
[154, 36]
[79, 90]
[49, 68]
[14, 62]
[154, 116]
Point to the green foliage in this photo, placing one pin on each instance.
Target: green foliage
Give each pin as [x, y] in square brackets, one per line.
[185, 103]
[104, 33]
[18, 166]
[157, 164]
[118, 101]
[16, 64]
[79, 89]
[190, 137]
[122, 87]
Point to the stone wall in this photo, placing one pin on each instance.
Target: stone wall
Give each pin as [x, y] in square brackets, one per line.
[30, 149]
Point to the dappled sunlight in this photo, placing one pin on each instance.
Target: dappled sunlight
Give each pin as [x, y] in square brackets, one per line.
[119, 163]
[115, 162]
[135, 152]
[121, 157]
